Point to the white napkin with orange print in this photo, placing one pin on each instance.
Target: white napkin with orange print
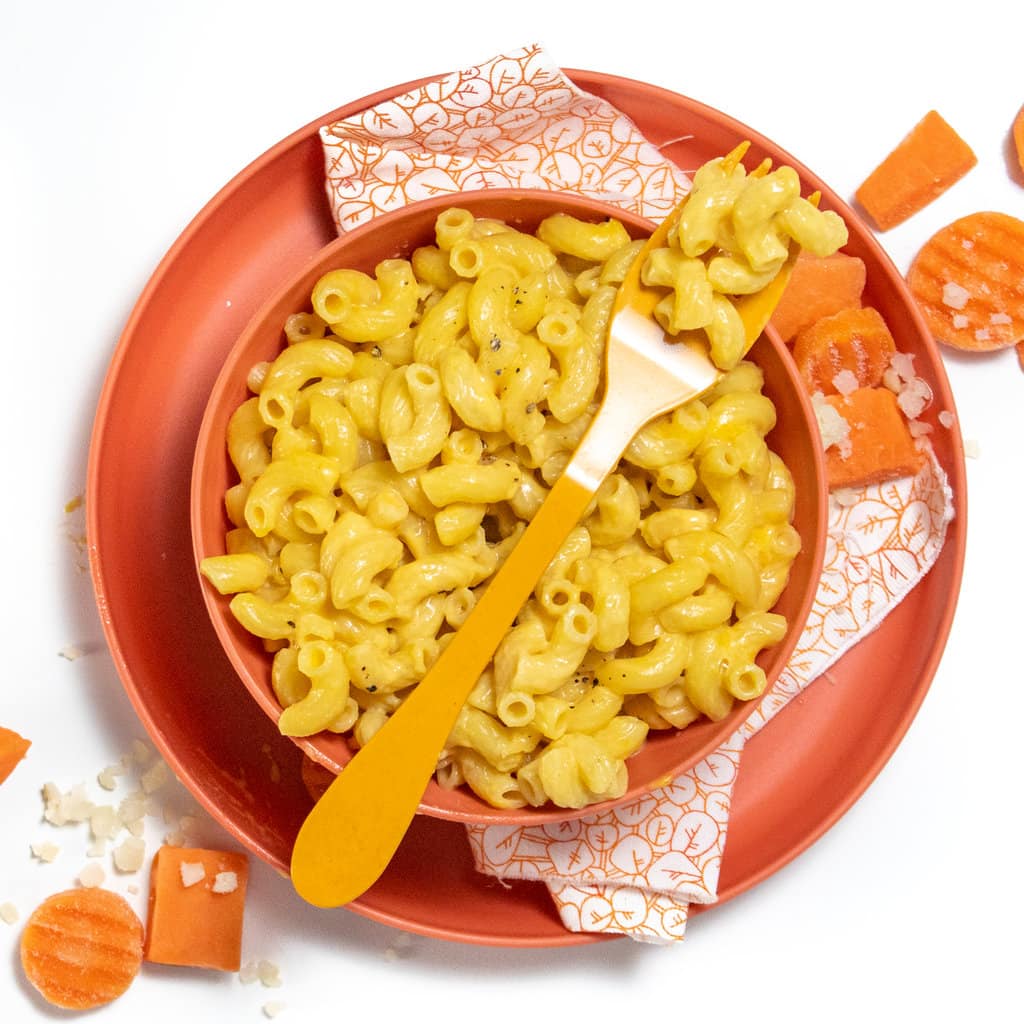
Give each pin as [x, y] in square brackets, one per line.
[517, 121]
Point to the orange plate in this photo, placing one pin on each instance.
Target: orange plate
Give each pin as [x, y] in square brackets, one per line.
[799, 776]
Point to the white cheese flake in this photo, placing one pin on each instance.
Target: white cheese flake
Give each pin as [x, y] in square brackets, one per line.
[834, 429]
[141, 752]
[192, 872]
[272, 1009]
[104, 822]
[946, 418]
[248, 973]
[92, 876]
[960, 321]
[154, 777]
[845, 382]
[130, 856]
[45, 852]
[8, 913]
[954, 295]
[1000, 318]
[269, 974]
[225, 881]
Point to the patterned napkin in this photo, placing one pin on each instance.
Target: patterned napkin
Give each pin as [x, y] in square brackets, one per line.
[517, 121]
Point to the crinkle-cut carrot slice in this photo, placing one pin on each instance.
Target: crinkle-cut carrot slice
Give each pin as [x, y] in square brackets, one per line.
[12, 749]
[857, 341]
[82, 948]
[196, 908]
[818, 286]
[928, 161]
[315, 777]
[879, 447]
[968, 280]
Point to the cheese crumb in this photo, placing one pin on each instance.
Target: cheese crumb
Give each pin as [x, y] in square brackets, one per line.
[154, 777]
[913, 398]
[248, 973]
[8, 913]
[955, 296]
[845, 382]
[1000, 318]
[104, 822]
[225, 881]
[960, 321]
[141, 753]
[70, 652]
[946, 418]
[107, 778]
[833, 428]
[64, 808]
[972, 449]
[269, 974]
[192, 872]
[271, 1010]
[130, 855]
[46, 852]
[92, 876]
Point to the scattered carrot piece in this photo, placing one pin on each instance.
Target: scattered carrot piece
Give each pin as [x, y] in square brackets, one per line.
[929, 160]
[819, 286]
[82, 948]
[196, 907]
[315, 777]
[12, 749]
[854, 340]
[968, 280]
[1018, 137]
[880, 445]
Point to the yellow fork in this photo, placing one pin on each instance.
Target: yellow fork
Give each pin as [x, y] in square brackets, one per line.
[355, 828]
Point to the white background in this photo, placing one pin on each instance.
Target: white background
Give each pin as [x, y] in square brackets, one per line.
[121, 119]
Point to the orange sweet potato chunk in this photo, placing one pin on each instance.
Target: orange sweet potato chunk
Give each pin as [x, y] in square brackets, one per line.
[880, 445]
[819, 286]
[855, 340]
[925, 164]
[195, 925]
[12, 749]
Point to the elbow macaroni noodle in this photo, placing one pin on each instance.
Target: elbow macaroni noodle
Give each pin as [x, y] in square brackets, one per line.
[392, 452]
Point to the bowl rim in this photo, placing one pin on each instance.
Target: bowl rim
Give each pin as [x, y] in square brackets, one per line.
[216, 604]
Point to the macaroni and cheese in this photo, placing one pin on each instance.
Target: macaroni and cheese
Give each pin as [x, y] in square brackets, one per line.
[392, 453]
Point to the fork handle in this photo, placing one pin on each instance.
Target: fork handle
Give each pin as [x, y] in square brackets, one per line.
[355, 828]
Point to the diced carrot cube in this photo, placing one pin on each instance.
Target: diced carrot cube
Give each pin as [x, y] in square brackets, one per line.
[819, 286]
[880, 445]
[925, 164]
[196, 908]
[857, 341]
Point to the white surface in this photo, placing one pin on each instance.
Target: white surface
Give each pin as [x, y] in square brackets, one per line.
[121, 119]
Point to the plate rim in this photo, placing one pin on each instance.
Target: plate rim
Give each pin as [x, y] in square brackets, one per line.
[954, 546]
